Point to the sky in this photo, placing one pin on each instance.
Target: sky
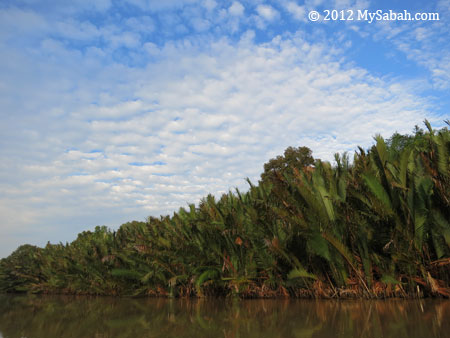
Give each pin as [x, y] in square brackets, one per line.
[113, 111]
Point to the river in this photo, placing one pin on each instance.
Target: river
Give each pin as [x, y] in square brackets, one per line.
[104, 317]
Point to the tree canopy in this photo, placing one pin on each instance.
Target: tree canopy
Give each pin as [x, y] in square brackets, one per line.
[276, 168]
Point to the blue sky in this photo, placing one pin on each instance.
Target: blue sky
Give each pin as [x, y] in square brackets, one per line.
[112, 111]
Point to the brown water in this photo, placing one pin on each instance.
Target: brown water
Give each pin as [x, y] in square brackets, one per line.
[60, 316]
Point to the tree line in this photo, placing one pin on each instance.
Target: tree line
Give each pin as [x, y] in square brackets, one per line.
[376, 226]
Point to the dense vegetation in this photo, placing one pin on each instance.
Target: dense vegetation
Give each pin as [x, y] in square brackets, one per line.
[376, 227]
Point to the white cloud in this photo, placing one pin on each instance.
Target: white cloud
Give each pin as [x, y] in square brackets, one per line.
[144, 24]
[101, 5]
[158, 5]
[313, 3]
[267, 12]
[200, 25]
[236, 9]
[209, 4]
[298, 12]
[72, 29]
[18, 23]
[350, 4]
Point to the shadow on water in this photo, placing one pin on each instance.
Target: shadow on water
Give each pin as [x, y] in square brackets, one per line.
[63, 316]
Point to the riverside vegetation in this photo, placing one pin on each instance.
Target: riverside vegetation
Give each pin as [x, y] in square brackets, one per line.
[377, 226]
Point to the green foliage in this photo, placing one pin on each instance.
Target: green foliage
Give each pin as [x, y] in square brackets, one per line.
[280, 166]
[378, 226]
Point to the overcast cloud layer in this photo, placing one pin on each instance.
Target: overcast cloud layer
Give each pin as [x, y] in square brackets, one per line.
[117, 111]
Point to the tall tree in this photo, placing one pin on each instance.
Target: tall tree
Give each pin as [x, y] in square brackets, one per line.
[277, 167]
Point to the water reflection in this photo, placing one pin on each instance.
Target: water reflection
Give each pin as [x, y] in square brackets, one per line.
[60, 316]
